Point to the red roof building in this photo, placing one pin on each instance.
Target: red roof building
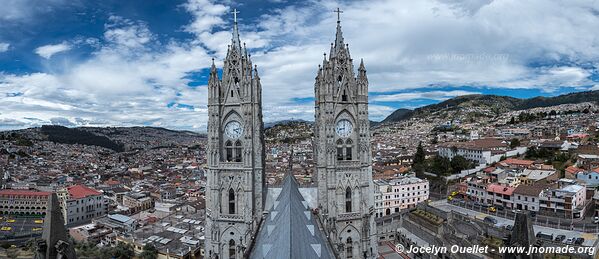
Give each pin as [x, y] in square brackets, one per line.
[500, 189]
[26, 202]
[519, 163]
[81, 191]
[23, 193]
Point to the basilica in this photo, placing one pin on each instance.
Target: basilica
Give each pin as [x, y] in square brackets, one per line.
[244, 218]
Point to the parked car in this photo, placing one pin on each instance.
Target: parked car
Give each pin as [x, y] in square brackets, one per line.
[499, 207]
[596, 220]
[544, 235]
[560, 238]
[490, 220]
[509, 227]
[569, 241]
[492, 209]
[579, 241]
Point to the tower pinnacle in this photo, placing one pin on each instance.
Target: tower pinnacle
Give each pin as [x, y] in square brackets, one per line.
[339, 34]
[338, 11]
[236, 42]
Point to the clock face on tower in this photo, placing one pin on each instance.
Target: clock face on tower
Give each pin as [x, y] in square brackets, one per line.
[344, 128]
[233, 129]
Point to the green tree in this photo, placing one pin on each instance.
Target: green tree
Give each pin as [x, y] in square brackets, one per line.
[420, 156]
[459, 163]
[121, 251]
[514, 143]
[149, 252]
[440, 166]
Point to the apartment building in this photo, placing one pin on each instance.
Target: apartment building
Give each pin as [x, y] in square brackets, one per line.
[137, 202]
[500, 195]
[482, 151]
[567, 200]
[81, 204]
[526, 197]
[401, 193]
[23, 202]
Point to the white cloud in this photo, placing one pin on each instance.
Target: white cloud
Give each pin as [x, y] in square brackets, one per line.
[131, 76]
[26, 10]
[432, 95]
[47, 51]
[4, 46]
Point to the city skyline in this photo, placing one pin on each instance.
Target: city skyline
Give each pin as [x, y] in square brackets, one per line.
[82, 64]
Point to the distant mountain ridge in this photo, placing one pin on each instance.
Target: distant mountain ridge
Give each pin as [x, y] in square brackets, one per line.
[115, 138]
[495, 103]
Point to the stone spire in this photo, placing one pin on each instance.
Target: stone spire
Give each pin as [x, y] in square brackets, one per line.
[362, 70]
[339, 35]
[55, 242]
[236, 43]
[522, 235]
[213, 68]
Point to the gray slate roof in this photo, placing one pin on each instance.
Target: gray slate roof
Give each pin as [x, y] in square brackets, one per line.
[290, 229]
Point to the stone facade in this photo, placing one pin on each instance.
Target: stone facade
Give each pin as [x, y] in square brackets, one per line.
[235, 191]
[343, 155]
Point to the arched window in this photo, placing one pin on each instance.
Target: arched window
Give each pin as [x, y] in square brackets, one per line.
[229, 151]
[348, 200]
[231, 201]
[344, 96]
[349, 248]
[232, 250]
[388, 212]
[348, 149]
[339, 149]
[237, 151]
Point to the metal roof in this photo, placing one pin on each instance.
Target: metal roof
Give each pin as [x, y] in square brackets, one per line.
[290, 230]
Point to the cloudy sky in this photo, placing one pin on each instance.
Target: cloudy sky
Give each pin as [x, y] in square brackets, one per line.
[142, 62]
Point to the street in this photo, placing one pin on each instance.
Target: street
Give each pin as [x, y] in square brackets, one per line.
[589, 238]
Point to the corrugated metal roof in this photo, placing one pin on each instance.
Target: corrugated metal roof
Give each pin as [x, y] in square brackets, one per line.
[290, 230]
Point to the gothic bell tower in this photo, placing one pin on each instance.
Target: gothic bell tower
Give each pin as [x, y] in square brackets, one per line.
[235, 189]
[342, 151]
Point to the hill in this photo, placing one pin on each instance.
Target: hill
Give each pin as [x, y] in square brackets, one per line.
[490, 105]
[64, 135]
[116, 138]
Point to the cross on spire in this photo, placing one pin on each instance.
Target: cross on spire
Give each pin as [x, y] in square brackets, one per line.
[338, 11]
[235, 12]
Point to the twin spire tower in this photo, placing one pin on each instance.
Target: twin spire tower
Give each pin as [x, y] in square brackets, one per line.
[241, 213]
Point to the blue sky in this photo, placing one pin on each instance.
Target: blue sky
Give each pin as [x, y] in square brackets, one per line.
[140, 62]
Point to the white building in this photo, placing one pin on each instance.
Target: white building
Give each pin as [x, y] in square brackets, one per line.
[401, 193]
[566, 201]
[81, 204]
[476, 190]
[526, 197]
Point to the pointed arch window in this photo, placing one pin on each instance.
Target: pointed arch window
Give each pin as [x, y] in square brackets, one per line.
[231, 201]
[344, 149]
[229, 151]
[349, 248]
[348, 200]
[344, 96]
[238, 150]
[339, 149]
[348, 149]
[232, 249]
